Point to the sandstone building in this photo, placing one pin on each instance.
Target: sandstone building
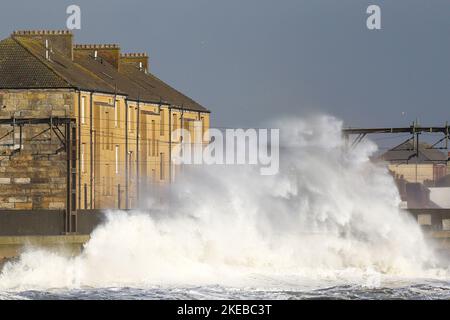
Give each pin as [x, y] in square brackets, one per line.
[426, 165]
[83, 126]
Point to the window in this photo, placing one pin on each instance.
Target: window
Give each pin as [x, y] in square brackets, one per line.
[108, 182]
[175, 122]
[82, 112]
[161, 124]
[202, 119]
[153, 138]
[83, 147]
[148, 141]
[116, 114]
[161, 166]
[117, 159]
[107, 131]
[130, 165]
[130, 118]
[187, 125]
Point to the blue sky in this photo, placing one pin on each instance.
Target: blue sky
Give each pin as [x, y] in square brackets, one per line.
[250, 61]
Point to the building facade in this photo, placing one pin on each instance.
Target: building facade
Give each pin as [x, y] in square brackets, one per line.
[84, 126]
[425, 165]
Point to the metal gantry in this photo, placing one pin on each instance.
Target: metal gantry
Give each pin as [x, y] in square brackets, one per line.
[415, 130]
[67, 139]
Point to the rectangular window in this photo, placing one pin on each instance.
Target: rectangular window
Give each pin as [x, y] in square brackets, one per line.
[108, 181]
[107, 130]
[83, 106]
[161, 124]
[130, 165]
[202, 119]
[175, 122]
[83, 147]
[117, 159]
[187, 125]
[153, 138]
[161, 166]
[116, 114]
[148, 141]
[130, 119]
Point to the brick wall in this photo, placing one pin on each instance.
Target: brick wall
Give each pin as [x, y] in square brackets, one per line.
[32, 173]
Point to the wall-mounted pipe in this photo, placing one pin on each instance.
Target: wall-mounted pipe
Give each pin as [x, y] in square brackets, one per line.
[79, 149]
[170, 144]
[137, 151]
[126, 154]
[91, 160]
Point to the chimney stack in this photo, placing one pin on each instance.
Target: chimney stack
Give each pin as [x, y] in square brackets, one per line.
[140, 60]
[60, 40]
[107, 52]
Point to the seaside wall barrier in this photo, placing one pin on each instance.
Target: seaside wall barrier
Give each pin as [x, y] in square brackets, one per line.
[45, 228]
[45, 222]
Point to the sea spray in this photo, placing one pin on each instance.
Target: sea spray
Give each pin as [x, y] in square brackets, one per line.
[330, 213]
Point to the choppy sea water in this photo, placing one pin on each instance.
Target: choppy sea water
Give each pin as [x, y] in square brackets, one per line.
[328, 226]
[420, 290]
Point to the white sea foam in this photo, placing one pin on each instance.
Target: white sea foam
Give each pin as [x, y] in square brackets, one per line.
[329, 215]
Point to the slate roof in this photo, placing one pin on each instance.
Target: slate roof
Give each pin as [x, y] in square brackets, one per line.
[111, 75]
[75, 75]
[23, 66]
[405, 152]
[20, 69]
[154, 84]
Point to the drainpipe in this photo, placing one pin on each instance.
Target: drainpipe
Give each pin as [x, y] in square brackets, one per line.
[67, 226]
[91, 151]
[182, 117]
[170, 144]
[126, 154]
[79, 149]
[182, 138]
[137, 152]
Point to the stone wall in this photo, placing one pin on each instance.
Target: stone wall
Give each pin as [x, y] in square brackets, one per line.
[32, 173]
